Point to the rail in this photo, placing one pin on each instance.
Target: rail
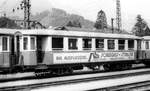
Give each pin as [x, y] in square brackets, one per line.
[79, 81]
[140, 86]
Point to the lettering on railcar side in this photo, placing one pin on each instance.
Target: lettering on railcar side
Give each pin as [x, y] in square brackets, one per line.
[59, 58]
[92, 57]
[74, 57]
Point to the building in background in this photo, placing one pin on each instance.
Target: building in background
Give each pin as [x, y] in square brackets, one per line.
[33, 24]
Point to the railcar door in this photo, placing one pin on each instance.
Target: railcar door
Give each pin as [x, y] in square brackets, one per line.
[15, 49]
[139, 52]
[39, 50]
[12, 50]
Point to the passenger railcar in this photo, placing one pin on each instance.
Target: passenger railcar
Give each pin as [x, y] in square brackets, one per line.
[145, 50]
[6, 49]
[62, 51]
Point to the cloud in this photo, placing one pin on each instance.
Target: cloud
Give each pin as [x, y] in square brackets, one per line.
[40, 5]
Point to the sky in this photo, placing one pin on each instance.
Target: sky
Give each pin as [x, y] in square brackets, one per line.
[89, 8]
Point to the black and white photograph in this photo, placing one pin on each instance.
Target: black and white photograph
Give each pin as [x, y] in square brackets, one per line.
[74, 45]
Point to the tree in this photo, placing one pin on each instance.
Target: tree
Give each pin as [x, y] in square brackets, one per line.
[69, 24]
[141, 28]
[8, 23]
[74, 23]
[101, 21]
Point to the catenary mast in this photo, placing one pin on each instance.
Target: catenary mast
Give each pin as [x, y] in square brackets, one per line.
[27, 10]
[118, 15]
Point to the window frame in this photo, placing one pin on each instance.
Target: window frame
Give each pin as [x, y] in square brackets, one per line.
[58, 49]
[27, 49]
[147, 45]
[35, 45]
[121, 44]
[75, 49]
[129, 44]
[100, 42]
[8, 47]
[83, 45]
[109, 45]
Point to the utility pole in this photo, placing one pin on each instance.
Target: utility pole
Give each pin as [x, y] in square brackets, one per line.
[112, 24]
[27, 10]
[118, 15]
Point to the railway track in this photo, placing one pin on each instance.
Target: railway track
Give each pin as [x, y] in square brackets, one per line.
[58, 81]
[31, 75]
[129, 87]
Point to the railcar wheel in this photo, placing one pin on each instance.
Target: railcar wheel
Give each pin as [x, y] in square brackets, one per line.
[118, 67]
[70, 70]
[94, 67]
[147, 64]
[106, 67]
[129, 66]
[60, 71]
[112, 67]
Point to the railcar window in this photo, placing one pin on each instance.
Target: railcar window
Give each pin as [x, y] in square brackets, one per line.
[99, 44]
[147, 45]
[72, 44]
[57, 43]
[87, 44]
[5, 43]
[139, 44]
[25, 43]
[111, 44]
[33, 44]
[130, 44]
[121, 44]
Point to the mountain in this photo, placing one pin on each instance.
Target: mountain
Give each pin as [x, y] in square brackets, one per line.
[57, 17]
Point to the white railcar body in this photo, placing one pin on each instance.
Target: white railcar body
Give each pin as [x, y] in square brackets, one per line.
[55, 47]
[81, 57]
